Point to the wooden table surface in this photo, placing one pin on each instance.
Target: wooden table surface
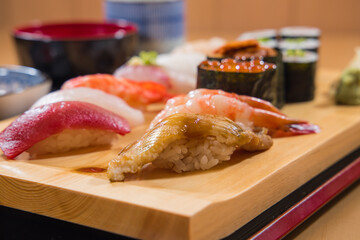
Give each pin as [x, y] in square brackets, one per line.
[339, 220]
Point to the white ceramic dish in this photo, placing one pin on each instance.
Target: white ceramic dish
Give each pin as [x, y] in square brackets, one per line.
[20, 87]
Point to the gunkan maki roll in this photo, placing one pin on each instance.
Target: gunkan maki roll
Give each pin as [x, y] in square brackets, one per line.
[247, 50]
[299, 72]
[251, 78]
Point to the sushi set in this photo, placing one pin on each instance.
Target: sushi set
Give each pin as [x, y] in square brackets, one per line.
[169, 145]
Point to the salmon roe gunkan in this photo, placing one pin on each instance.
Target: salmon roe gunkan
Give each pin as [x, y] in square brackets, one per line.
[234, 65]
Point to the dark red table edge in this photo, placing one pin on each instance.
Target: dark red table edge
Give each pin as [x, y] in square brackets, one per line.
[274, 223]
[283, 217]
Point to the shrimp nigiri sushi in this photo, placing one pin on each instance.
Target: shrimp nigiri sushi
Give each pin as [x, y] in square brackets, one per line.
[60, 127]
[187, 142]
[249, 111]
[107, 101]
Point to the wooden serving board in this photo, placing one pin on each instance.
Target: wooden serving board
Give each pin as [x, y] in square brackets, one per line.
[159, 204]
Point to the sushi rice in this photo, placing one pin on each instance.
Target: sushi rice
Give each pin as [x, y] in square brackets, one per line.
[300, 31]
[306, 57]
[305, 44]
[194, 154]
[69, 139]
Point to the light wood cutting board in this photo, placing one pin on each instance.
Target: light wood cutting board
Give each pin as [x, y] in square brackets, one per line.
[159, 204]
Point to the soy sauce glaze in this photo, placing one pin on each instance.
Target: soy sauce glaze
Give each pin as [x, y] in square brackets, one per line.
[91, 170]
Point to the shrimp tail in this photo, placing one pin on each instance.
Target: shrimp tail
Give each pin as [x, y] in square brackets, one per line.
[282, 126]
[258, 103]
[295, 129]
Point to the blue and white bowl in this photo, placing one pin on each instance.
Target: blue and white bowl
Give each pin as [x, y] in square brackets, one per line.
[160, 22]
[20, 87]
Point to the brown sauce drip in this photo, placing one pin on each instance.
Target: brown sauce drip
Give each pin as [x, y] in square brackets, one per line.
[91, 170]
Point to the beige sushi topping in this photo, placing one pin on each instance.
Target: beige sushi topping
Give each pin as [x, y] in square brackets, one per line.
[187, 142]
[236, 45]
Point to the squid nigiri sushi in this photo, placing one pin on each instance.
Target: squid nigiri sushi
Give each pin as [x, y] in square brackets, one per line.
[249, 111]
[107, 101]
[187, 142]
[60, 127]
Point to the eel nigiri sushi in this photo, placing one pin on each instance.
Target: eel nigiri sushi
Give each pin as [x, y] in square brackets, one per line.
[251, 112]
[186, 142]
[60, 127]
[107, 101]
[137, 94]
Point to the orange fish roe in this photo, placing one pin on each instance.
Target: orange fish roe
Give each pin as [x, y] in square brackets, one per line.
[234, 65]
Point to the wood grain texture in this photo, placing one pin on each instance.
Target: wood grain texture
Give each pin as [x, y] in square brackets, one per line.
[201, 15]
[331, 15]
[208, 18]
[22, 12]
[159, 204]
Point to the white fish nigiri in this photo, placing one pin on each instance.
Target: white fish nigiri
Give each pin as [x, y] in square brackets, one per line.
[144, 73]
[107, 101]
[175, 71]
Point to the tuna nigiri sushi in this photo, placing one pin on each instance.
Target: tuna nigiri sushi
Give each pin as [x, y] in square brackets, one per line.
[187, 142]
[107, 101]
[60, 127]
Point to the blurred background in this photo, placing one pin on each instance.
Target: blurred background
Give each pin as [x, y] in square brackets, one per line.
[338, 20]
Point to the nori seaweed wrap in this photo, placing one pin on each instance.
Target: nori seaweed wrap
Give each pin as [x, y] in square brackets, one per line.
[299, 72]
[249, 49]
[253, 78]
[277, 79]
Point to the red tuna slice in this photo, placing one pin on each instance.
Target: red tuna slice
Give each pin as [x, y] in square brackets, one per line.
[40, 123]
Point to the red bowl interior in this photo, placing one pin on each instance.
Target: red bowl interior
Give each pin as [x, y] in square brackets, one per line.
[75, 31]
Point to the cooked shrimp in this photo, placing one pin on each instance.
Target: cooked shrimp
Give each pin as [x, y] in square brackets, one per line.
[252, 101]
[231, 106]
[134, 93]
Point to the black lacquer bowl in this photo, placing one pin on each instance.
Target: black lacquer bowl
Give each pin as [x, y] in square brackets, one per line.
[67, 50]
